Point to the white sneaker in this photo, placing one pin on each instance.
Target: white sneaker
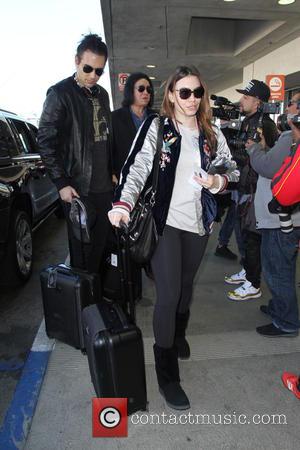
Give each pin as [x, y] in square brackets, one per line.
[236, 278]
[244, 292]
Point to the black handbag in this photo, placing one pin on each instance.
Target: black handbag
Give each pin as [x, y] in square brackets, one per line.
[142, 231]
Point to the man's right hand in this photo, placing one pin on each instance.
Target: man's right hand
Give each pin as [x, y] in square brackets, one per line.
[67, 194]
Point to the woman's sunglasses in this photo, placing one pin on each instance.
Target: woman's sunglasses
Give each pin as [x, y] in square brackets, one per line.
[185, 93]
[88, 69]
[141, 89]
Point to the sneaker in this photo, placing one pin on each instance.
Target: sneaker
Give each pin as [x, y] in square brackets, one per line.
[270, 330]
[244, 292]
[224, 252]
[291, 382]
[236, 278]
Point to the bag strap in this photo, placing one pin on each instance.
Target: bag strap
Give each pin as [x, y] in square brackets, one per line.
[159, 144]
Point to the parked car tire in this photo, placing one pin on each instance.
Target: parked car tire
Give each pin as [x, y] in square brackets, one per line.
[19, 255]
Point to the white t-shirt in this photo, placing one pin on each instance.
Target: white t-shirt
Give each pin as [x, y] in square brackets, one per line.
[182, 211]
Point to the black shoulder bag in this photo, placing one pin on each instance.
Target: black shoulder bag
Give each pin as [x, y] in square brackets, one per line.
[142, 231]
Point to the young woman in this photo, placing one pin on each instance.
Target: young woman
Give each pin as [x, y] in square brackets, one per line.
[184, 211]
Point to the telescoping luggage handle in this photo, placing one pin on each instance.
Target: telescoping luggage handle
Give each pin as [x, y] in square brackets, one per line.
[52, 275]
[125, 270]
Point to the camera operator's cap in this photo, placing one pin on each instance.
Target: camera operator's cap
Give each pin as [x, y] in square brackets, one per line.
[258, 89]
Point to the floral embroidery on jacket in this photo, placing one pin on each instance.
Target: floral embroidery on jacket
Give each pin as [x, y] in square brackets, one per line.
[165, 159]
[206, 148]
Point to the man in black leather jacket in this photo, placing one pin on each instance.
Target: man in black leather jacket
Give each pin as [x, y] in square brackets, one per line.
[74, 140]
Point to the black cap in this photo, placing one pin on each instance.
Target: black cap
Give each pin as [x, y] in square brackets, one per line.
[256, 88]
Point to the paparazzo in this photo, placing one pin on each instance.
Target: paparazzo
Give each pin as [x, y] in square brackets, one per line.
[254, 95]
[279, 250]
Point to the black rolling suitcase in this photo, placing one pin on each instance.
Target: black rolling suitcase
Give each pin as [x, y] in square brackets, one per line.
[65, 292]
[112, 272]
[114, 346]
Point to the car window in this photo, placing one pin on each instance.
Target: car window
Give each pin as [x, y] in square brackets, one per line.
[7, 143]
[24, 136]
[33, 132]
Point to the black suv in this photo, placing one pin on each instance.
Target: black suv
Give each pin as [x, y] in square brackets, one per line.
[27, 196]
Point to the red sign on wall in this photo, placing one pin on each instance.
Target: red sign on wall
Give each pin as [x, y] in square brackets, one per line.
[276, 85]
[122, 78]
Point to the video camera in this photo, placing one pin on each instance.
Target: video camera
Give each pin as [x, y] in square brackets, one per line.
[283, 119]
[224, 109]
[254, 133]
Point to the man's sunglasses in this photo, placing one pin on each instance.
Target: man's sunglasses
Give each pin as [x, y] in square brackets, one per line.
[88, 69]
[141, 89]
[185, 93]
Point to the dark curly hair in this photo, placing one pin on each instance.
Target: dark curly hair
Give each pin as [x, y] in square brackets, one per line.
[128, 99]
[94, 43]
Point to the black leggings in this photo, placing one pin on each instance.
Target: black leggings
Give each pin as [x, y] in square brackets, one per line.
[174, 264]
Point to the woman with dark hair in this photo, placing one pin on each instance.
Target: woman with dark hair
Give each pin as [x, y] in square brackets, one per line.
[138, 99]
[193, 152]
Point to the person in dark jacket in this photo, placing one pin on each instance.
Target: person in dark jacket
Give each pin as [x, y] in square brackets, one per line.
[74, 142]
[136, 107]
[254, 95]
[280, 246]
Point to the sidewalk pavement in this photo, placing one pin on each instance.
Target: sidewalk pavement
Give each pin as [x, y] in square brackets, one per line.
[233, 376]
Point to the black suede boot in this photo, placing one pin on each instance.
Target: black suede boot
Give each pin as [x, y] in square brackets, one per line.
[167, 371]
[180, 340]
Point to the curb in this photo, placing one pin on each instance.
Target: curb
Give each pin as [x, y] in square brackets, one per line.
[19, 416]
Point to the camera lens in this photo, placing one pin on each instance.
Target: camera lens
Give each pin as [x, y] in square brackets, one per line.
[282, 123]
[286, 224]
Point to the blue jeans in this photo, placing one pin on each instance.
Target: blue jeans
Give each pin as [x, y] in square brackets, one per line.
[279, 254]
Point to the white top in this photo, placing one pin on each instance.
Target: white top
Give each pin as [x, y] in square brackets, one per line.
[182, 211]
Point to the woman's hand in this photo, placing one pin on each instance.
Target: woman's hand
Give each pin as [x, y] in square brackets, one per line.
[118, 215]
[210, 182]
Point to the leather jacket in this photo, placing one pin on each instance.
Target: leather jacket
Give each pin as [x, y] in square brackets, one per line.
[66, 134]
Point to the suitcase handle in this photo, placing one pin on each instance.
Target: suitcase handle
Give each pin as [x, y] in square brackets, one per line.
[125, 270]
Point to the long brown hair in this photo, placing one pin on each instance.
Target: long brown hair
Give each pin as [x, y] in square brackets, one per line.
[204, 112]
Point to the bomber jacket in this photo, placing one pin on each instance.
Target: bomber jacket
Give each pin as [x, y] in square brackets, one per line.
[136, 176]
[66, 134]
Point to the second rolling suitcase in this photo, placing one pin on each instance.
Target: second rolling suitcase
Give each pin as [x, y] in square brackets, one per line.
[114, 346]
[65, 292]
[111, 277]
